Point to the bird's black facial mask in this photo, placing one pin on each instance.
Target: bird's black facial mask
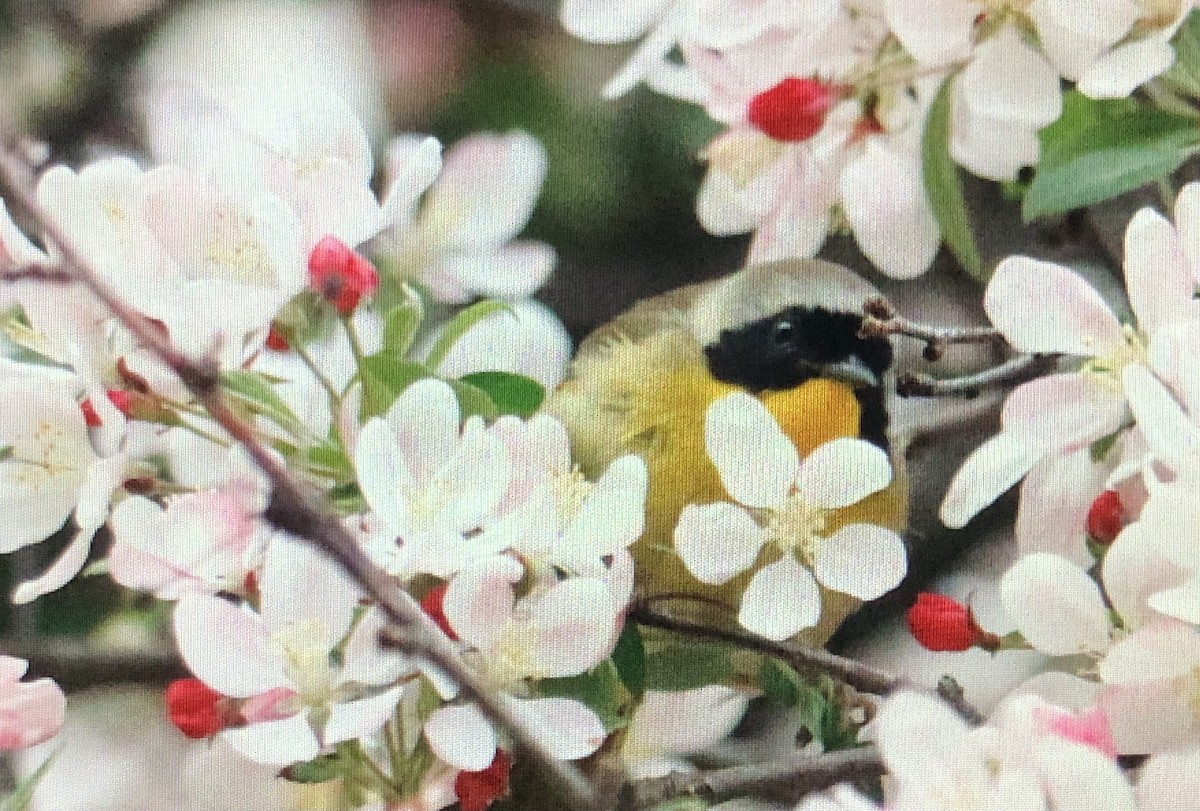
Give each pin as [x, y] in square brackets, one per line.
[800, 343]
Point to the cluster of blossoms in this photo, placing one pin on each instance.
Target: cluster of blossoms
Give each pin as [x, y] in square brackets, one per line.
[1106, 584]
[826, 102]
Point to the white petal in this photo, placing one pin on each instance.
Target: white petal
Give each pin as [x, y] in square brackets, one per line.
[301, 585]
[1160, 282]
[609, 22]
[884, 198]
[614, 514]
[225, 647]
[413, 163]
[781, 600]
[1044, 307]
[1187, 223]
[756, 461]
[1159, 652]
[575, 622]
[425, 421]
[1064, 412]
[717, 541]
[277, 743]
[992, 468]
[843, 472]
[357, 719]
[861, 560]
[1076, 777]
[480, 600]
[568, 729]
[461, 736]
[68, 564]
[1007, 80]
[1169, 432]
[1119, 72]
[379, 465]
[935, 32]
[1056, 606]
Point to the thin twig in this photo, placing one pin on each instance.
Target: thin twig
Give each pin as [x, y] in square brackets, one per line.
[882, 320]
[793, 777]
[1019, 369]
[860, 676]
[38, 272]
[294, 510]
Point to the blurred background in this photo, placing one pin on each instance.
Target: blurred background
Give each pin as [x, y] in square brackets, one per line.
[617, 205]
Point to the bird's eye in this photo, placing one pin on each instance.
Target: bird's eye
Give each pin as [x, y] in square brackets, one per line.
[782, 332]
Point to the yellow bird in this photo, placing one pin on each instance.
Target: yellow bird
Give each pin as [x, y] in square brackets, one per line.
[784, 331]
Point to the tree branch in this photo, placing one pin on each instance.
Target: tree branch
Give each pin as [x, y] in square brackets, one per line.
[791, 777]
[1019, 369]
[296, 511]
[861, 677]
[36, 272]
[882, 320]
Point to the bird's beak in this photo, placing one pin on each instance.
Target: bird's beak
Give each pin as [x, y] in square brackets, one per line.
[853, 372]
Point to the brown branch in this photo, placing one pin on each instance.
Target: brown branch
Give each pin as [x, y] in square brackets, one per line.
[861, 677]
[790, 777]
[296, 511]
[882, 320]
[1019, 369]
[38, 272]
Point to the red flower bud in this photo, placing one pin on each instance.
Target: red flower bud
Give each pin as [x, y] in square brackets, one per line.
[192, 707]
[1106, 517]
[433, 604]
[942, 624]
[339, 274]
[276, 341]
[794, 109]
[477, 790]
[118, 397]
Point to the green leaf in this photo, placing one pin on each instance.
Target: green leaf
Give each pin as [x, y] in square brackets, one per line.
[512, 393]
[1099, 149]
[320, 769]
[780, 682]
[943, 183]
[401, 323]
[1184, 74]
[473, 400]
[1100, 449]
[458, 326]
[22, 795]
[684, 666]
[1099, 176]
[629, 657]
[255, 392]
[384, 376]
[600, 689]
[821, 712]
[332, 457]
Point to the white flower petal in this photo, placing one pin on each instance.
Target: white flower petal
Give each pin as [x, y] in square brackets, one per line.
[576, 621]
[357, 719]
[301, 585]
[480, 599]
[717, 541]
[1044, 307]
[1056, 606]
[1168, 431]
[461, 736]
[568, 728]
[862, 560]
[226, 647]
[842, 472]
[1160, 282]
[277, 743]
[884, 198]
[756, 461]
[1119, 72]
[609, 22]
[68, 564]
[992, 468]
[781, 600]
[614, 514]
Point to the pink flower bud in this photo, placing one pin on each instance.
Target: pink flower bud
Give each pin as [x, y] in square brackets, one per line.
[942, 624]
[477, 790]
[433, 605]
[341, 275]
[794, 109]
[192, 708]
[1106, 517]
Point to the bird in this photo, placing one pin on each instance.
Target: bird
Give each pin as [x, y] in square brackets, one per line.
[786, 332]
